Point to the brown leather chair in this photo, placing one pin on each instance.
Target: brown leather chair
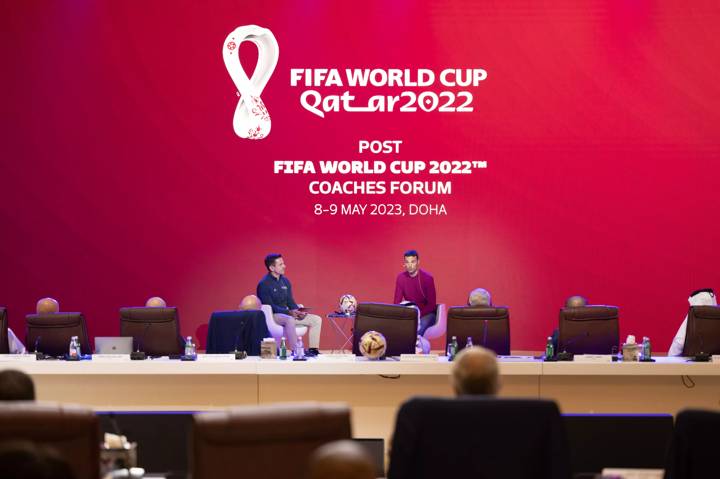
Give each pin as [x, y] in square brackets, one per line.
[487, 326]
[4, 345]
[397, 323]
[703, 331]
[589, 330]
[273, 441]
[156, 331]
[72, 432]
[52, 332]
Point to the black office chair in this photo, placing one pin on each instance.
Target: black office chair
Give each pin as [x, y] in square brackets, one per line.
[589, 330]
[51, 332]
[487, 326]
[397, 323]
[703, 331]
[694, 447]
[155, 331]
[586, 432]
[479, 436]
[4, 345]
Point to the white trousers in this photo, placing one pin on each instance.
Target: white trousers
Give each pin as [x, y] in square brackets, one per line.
[312, 321]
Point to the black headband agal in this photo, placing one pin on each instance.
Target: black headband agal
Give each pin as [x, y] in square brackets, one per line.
[704, 290]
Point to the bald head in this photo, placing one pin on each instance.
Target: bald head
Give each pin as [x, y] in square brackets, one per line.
[475, 372]
[576, 302]
[250, 302]
[480, 297]
[47, 306]
[155, 302]
[341, 459]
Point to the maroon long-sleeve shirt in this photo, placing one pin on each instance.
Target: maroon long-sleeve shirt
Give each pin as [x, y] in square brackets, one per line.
[419, 290]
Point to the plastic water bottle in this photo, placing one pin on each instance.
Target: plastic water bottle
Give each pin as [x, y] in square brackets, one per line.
[646, 350]
[74, 350]
[299, 349]
[189, 347]
[452, 348]
[549, 349]
[469, 343]
[283, 348]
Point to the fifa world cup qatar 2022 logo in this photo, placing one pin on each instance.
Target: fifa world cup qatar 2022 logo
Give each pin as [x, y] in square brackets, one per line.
[251, 120]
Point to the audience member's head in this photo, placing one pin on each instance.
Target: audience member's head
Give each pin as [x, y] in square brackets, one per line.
[479, 297]
[341, 459]
[250, 302]
[25, 460]
[47, 306]
[16, 386]
[475, 372]
[155, 302]
[576, 301]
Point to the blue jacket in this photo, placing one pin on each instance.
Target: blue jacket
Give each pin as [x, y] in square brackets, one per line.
[277, 293]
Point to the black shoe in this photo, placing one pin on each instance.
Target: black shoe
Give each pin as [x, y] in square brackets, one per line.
[312, 352]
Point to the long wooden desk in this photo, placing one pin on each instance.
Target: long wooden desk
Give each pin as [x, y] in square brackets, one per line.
[373, 389]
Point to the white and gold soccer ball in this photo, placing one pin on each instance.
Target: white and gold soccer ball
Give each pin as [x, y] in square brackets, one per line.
[347, 304]
[373, 345]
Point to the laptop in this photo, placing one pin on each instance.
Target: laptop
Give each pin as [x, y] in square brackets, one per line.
[113, 345]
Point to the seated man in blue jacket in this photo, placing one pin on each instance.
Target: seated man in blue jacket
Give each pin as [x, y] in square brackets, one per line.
[275, 289]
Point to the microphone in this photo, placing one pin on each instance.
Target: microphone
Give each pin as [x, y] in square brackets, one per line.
[239, 354]
[701, 357]
[485, 329]
[38, 354]
[565, 356]
[139, 354]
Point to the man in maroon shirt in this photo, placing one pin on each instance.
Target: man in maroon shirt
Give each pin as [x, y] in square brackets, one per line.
[417, 286]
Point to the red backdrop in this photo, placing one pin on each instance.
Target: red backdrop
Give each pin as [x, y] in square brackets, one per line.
[121, 176]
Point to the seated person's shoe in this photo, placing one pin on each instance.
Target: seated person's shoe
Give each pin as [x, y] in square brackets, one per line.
[312, 352]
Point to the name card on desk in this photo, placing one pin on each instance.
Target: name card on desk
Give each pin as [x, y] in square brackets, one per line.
[216, 357]
[593, 358]
[715, 358]
[336, 357]
[18, 357]
[420, 358]
[110, 358]
[515, 359]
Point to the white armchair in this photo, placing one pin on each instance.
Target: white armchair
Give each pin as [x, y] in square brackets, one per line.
[276, 331]
[439, 328]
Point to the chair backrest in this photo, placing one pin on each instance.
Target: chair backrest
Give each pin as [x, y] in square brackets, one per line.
[479, 436]
[589, 330]
[703, 331]
[4, 345]
[52, 332]
[72, 432]
[244, 330]
[693, 449]
[620, 447]
[397, 323]
[156, 331]
[273, 441]
[487, 326]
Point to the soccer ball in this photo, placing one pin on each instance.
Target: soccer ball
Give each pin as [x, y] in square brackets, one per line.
[373, 345]
[347, 304]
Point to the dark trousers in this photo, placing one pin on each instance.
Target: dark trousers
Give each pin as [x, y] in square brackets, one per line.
[425, 322]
